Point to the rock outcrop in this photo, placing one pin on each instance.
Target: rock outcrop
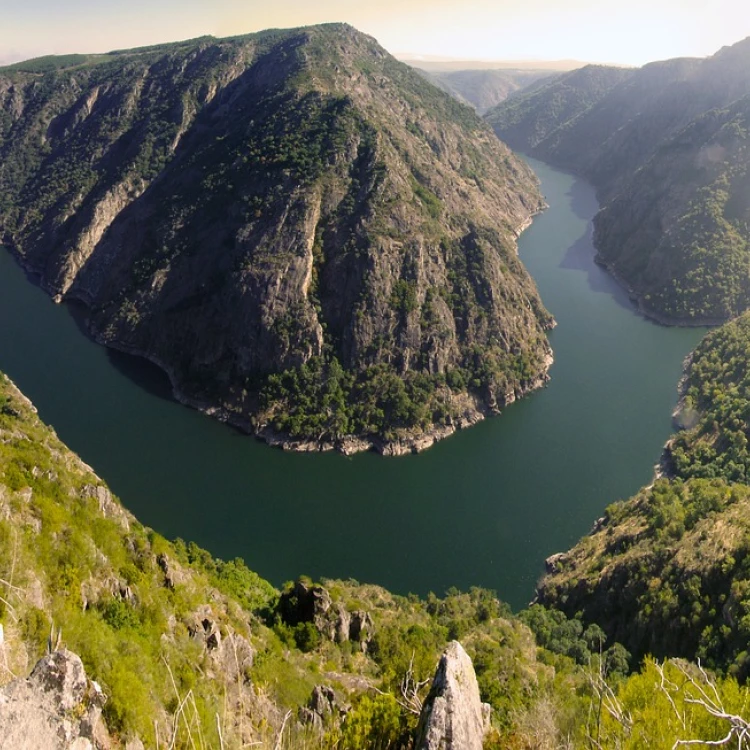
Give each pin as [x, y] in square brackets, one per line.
[307, 603]
[323, 706]
[56, 708]
[453, 717]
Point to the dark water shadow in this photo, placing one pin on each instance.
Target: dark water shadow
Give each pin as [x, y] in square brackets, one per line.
[580, 257]
[142, 373]
[146, 375]
[583, 201]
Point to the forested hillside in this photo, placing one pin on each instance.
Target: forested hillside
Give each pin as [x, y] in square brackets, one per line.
[313, 241]
[666, 148]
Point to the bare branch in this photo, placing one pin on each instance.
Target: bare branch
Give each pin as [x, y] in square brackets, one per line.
[704, 693]
[277, 746]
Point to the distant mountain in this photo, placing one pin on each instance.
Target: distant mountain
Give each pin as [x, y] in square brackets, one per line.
[312, 240]
[484, 89]
[666, 146]
[533, 115]
[435, 64]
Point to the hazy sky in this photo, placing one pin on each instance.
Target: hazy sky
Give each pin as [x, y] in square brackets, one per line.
[625, 31]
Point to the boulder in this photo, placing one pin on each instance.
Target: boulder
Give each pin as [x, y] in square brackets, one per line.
[173, 575]
[453, 716]
[322, 706]
[57, 708]
[554, 563]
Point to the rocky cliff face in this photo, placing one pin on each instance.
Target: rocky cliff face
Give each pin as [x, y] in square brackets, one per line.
[666, 147]
[307, 236]
[453, 717]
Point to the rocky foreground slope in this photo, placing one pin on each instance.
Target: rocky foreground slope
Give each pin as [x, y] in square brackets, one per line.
[191, 651]
[180, 649]
[667, 148]
[312, 240]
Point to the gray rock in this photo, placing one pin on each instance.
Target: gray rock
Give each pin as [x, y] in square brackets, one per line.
[173, 575]
[554, 563]
[453, 717]
[56, 708]
[323, 700]
[310, 718]
[108, 506]
[323, 706]
[308, 603]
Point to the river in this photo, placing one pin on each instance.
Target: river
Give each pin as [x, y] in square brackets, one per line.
[483, 508]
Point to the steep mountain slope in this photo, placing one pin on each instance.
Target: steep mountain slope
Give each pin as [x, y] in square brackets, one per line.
[533, 115]
[668, 572]
[665, 573]
[306, 235]
[484, 89]
[678, 231]
[666, 150]
[714, 411]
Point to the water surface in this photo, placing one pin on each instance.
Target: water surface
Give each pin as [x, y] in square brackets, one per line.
[484, 507]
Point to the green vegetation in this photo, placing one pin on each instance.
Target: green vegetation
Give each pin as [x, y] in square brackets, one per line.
[530, 117]
[716, 408]
[163, 625]
[666, 147]
[667, 574]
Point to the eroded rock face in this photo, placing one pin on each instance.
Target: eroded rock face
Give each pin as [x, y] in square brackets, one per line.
[56, 708]
[453, 717]
[322, 705]
[308, 603]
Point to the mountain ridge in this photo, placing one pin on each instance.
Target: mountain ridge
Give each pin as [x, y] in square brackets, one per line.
[310, 239]
[666, 150]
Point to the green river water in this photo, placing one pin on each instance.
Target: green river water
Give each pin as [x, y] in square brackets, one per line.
[485, 507]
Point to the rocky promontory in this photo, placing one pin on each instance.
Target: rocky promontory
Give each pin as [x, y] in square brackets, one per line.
[314, 242]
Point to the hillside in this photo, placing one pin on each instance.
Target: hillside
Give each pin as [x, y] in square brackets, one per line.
[533, 115]
[204, 652]
[484, 89]
[313, 242]
[714, 411]
[666, 573]
[189, 651]
[665, 148]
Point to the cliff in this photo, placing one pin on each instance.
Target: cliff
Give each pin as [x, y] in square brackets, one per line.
[309, 238]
